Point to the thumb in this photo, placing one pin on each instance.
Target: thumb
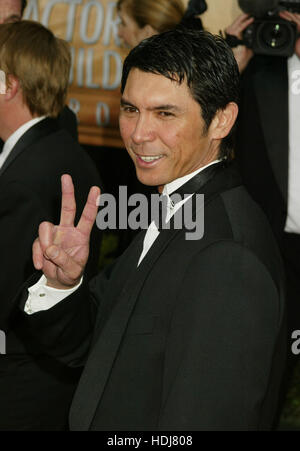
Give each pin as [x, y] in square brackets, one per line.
[71, 270]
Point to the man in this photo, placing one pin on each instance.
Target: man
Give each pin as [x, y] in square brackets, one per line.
[269, 131]
[179, 334]
[12, 11]
[35, 390]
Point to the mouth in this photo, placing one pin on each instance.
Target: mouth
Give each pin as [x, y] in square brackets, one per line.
[148, 160]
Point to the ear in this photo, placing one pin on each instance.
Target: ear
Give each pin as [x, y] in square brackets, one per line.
[147, 31]
[223, 121]
[12, 87]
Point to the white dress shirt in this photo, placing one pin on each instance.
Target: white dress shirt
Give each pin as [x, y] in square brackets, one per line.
[41, 297]
[152, 232]
[14, 138]
[293, 216]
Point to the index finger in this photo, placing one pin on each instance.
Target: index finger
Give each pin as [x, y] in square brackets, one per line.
[90, 211]
[239, 25]
[243, 18]
[68, 204]
[289, 16]
[246, 23]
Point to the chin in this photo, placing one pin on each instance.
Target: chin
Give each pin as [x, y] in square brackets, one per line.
[148, 181]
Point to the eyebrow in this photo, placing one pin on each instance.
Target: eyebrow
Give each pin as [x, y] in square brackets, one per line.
[126, 102]
[164, 107]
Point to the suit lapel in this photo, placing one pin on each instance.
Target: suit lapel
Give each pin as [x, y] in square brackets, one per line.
[101, 359]
[271, 86]
[41, 129]
[104, 349]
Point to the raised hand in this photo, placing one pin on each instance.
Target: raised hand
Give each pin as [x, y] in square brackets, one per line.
[242, 53]
[61, 251]
[239, 25]
[293, 17]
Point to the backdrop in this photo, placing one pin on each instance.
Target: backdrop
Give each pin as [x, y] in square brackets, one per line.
[90, 27]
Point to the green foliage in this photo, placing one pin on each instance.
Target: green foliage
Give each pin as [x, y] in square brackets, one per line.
[109, 248]
[290, 418]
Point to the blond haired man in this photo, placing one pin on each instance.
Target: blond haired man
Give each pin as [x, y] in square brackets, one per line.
[12, 11]
[35, 390]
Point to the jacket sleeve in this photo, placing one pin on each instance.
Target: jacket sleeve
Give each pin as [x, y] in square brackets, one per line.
[221, 342]
[66, 330]
[20, 216]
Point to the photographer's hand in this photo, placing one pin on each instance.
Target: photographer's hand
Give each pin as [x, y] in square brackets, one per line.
[61, 252]
[239, 25]
[242, 53]
[293, 17]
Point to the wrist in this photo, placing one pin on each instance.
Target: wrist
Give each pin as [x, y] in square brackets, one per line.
[62, 286]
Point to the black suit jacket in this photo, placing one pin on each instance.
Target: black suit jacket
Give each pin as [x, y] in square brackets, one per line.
[66, 120]
[34, 390]
[263, 136]
[189, 340]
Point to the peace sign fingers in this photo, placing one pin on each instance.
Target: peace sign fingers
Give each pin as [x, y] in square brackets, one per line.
[89, 213]
[68, 203]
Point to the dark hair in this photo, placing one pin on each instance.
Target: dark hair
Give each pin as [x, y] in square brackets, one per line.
[24, 4]
[205, 61]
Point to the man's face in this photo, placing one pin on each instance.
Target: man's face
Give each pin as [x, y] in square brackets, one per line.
[10, 11]
[162, 128]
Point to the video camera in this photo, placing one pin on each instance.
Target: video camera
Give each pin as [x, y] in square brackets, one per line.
[269, 34]
[195, 7]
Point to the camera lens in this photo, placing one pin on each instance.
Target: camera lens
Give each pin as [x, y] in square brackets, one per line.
[274, 35]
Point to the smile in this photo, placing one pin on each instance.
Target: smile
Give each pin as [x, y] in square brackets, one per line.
[149, 159]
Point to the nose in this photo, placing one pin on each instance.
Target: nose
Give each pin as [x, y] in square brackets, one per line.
[143, 131]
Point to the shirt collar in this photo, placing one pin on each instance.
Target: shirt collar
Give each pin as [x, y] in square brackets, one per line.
[14, 138]
[169, 188]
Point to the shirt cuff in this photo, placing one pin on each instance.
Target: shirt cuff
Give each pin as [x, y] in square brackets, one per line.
[41, 297]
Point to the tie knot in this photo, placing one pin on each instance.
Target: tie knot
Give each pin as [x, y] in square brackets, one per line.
[159, 210]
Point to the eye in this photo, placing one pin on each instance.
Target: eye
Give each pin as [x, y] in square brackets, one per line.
[165, 114]
[128, 109]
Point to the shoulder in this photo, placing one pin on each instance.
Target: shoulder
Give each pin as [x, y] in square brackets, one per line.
[68, 121]
[235, 231]
[59, 151]
[251, 229]
[227, 276]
